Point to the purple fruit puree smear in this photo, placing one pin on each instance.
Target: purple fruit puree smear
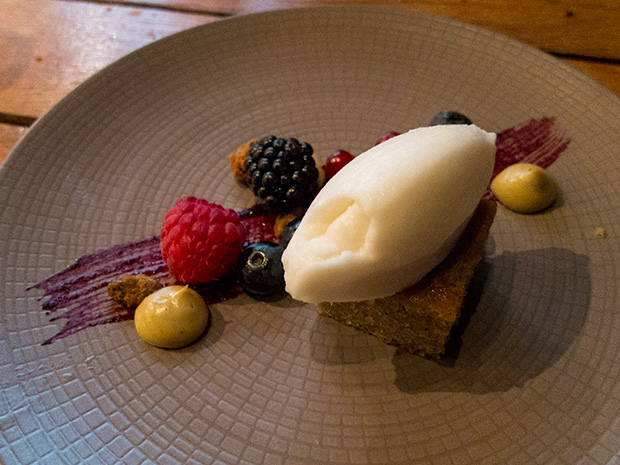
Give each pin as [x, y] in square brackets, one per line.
[81, 288]
[535, 142]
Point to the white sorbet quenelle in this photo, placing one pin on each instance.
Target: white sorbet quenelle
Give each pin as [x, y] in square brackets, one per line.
[390, 215]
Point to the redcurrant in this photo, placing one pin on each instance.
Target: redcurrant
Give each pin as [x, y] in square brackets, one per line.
[335, 162]
[386, 136]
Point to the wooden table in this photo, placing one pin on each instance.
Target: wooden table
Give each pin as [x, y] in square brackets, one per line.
[48, 47]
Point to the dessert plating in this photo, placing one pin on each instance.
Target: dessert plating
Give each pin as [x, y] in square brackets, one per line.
[80, 289]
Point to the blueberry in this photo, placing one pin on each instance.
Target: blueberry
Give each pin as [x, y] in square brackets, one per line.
[287, 232]
[449, 117]
[260, 271]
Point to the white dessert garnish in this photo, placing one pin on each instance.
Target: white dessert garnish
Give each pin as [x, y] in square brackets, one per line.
[390, 215]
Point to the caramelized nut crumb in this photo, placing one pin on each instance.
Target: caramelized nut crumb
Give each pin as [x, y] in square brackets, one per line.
[237, 159]
[281, 222]
[600, 232]
[130, 290]
[285, 218]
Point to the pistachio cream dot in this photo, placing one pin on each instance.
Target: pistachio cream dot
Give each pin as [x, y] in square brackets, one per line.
[172, 317]
[524, 188]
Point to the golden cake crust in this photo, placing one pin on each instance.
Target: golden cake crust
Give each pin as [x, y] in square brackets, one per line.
[420, 318]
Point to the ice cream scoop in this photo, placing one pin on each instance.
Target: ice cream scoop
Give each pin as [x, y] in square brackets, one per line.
[390, 215]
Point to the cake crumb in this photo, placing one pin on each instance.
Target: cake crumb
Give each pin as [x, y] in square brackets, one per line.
[421, 318]
[600, 232]
[283, 219]
[281, 222]
[129, 290]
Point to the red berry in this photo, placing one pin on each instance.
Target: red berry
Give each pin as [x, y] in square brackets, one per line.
[386, 136]
[201, 241]
[335, 162]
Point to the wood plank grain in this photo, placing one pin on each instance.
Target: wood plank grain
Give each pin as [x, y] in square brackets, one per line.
[575, 27]
[605, 73]
[49, 47]
[608, 74]
[9, 136]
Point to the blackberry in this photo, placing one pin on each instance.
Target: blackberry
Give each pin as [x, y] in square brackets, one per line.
[282, 172]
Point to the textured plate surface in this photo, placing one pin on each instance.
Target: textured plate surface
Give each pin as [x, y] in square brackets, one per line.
[537, 379]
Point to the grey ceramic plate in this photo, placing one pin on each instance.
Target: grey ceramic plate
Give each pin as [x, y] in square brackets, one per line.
[537, 379]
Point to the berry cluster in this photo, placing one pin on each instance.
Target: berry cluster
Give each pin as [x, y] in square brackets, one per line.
[202, 241]
[282, 172]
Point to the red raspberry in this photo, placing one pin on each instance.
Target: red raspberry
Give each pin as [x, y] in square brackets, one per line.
[201, 241]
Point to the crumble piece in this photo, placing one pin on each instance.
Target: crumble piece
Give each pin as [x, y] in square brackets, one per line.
[131, 289]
